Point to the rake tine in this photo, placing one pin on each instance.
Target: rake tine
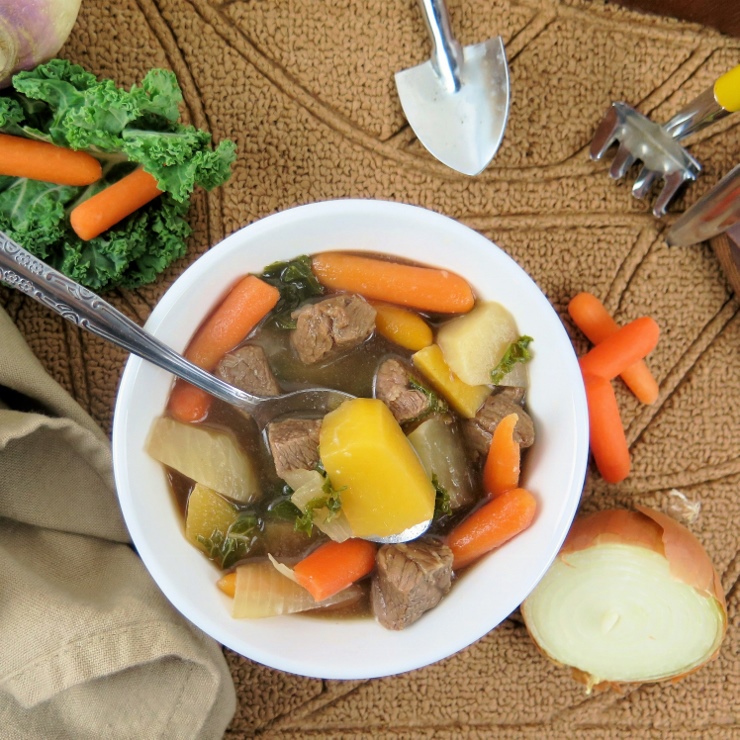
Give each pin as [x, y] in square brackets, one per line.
[623, 160]
[673, 182]
[605, 135]
[644, 182]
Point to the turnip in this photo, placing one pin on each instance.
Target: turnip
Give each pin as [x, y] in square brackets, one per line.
[31, 32]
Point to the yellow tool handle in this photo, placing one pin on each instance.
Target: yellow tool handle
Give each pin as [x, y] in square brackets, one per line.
[727, 90]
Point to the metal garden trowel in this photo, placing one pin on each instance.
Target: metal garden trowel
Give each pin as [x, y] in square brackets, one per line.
[457, 103]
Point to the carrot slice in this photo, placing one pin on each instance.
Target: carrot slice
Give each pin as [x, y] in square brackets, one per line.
[249, 301]
[491, 525]
[503, 463]
[624, 348]
[106, 208]
[227, 584]
[425, 288]
[333, 566]
[39, 160]
[592, 318]
[607, 439]
[402, 326]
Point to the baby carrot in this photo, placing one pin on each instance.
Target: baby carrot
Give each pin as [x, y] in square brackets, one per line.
[227, 584]
[248, 302]
[491, 525]
[592, 318]
[333, 566]
[625, 347]
[502, 468]
[607, 440]
[106, 208]
[424, 288]
[38, 160]
[401, 326]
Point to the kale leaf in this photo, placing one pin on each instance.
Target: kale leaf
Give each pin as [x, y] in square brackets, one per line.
[63, 104]
[296, 282]
[331, 501]
[233, 545]
[516, 352]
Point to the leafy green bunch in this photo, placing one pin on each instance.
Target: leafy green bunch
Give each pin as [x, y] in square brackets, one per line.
[61, 103]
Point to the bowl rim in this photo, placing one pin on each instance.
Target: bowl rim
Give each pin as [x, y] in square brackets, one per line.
[396, 661]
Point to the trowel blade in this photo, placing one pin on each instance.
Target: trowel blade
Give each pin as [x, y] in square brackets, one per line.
[463, 129]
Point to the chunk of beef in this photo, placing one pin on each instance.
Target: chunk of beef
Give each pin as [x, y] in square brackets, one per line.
[294, 444]
[400, 390]
[247, 368]
[479, 430]
[410, 579]
[340, 322]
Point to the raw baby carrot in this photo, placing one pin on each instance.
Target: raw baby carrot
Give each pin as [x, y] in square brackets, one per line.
[333, 566]
[424, 288]
[491, 525]
[502, 468]
[248, 302]
[227, 584]
[607, 440]
[39, 160]
[613, 355]
[592, 318]
[106, 208]
[401, 326]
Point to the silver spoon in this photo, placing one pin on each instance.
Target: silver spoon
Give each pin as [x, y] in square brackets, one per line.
[24, 272]
[21, 270]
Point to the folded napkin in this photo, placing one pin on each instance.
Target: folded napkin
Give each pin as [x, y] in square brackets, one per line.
[89, 647]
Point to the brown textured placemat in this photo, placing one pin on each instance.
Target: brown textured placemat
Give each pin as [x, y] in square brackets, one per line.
[305, 87]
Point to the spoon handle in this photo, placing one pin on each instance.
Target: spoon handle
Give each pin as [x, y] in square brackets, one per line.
[21, 270]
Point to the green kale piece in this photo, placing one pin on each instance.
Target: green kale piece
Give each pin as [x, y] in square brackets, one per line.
[435, 404]
[516, 352]
[442, 505]
[331, 501]
[228, 548]
[63, 104]
[296, 282]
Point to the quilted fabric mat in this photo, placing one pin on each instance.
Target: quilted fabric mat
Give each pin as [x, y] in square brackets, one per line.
[305, 88]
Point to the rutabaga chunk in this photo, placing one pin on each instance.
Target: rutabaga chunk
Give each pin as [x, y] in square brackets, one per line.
[384, 487]
[207, 456]
[473, 344]
[262, 591]
[217, 527]
[440, 449]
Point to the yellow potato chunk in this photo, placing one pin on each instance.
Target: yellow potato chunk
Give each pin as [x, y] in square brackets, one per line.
[207, 511]
[366, 453]
[474, 344]
[465, 399]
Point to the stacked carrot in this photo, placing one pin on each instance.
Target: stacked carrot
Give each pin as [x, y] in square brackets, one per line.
[617, 351]
[509, 509]
[39, 160]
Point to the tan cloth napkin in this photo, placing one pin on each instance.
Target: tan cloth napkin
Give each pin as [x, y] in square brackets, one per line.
[89, 647]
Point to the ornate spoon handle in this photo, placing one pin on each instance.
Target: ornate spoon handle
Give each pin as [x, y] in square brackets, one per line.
[21, 270]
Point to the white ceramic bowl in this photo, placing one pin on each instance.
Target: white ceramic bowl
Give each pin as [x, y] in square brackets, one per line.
[493, 588]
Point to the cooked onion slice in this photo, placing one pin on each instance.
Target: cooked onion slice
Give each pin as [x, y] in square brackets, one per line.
[263, 591]
[631, 598]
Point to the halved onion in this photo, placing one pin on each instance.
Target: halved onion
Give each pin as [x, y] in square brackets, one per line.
[632, 597]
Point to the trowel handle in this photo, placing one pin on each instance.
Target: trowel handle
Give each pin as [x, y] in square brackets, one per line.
[447, 52]
[713, 104]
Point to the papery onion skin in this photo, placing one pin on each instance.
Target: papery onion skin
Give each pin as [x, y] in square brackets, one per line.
[654, 530]
[32, 32]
